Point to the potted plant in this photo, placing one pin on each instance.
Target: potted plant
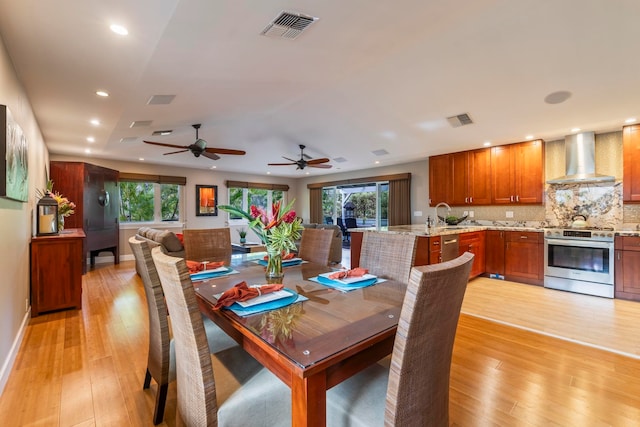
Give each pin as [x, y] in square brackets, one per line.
[243, 235]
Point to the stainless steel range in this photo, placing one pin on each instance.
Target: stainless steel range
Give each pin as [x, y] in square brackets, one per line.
[579, 261]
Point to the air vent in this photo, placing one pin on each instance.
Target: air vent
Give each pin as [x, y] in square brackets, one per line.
[288, 25]
[162, 132]
[128, 139]
[339, 159]
[460, 120]
[140, 123]
[381, 152]
[160, 99]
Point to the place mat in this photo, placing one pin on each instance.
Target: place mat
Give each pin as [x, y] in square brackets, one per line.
[211, 274]
[336, 284]
[285, 263]
[267, 306]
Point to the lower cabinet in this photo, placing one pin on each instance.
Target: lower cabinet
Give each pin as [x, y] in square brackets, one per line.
[474, 242]
[524, 257]
[435, 250]
[494, 252]
[627, 267]
[56, 271]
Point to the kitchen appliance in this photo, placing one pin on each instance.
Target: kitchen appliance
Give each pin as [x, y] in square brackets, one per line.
[450, 246]
[580, 163]
[579, 221]
[579, 260]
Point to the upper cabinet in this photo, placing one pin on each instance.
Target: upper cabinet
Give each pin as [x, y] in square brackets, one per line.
[631, 164]
[517, 173]
[508, 174]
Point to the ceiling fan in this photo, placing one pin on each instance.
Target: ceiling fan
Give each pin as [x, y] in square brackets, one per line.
[303, 162]
[199, 147]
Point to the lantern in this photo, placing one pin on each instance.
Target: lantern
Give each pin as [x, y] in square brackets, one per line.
[47, 217]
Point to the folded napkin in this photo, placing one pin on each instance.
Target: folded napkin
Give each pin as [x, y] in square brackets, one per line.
[285, 257]
[242, 292]
[195, 266]
[354, 272]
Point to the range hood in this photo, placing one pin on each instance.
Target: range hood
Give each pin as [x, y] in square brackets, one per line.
[580, 151]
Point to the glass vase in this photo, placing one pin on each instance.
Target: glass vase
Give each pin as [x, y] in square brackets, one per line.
[273, 272]
[60, 223]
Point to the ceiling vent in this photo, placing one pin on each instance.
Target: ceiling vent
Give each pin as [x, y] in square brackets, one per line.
[339, 159]
[140, 123]
[128, 139]
[288, 25]
[381, 152]
[460, 120]
[162, 132]
[160, 99]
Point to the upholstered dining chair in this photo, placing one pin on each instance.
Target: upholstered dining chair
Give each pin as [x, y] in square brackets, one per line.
[160, 363]
[390, 256]
[414, 391]
[315, 245]
[233, 390]
[209, 244]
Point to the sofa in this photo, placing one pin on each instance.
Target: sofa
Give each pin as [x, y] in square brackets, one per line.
[335, 255]
[168, 240]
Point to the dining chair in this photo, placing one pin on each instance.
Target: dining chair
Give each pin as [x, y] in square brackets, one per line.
[160, 358]
[209, 244]
[315, 245]
[389, 256]
[415, 388]
[230, 389]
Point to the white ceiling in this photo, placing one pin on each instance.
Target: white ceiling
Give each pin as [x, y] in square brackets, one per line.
[368, 75]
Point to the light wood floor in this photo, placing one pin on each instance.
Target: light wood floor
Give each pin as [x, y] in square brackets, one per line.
[86, 368]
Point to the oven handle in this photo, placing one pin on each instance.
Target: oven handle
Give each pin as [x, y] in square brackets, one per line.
[579, 243]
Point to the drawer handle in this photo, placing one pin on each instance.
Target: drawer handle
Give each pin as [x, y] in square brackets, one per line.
[451, 241]
[524, 237]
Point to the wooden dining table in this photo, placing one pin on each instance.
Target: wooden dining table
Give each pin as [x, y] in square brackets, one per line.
[315, 344]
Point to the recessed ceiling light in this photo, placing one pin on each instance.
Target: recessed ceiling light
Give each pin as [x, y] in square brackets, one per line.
[213, 167]
[87, 150]
[268, 173]
[574, 130]
[95, 122]
[307, 173]
[119, 29]
[141, 159]
[91, 139]
[630, 120]
[377, 162]
[102, 93]
[529, 136]
[487, 143]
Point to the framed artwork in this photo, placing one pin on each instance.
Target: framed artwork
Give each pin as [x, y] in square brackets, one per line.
[206, 200]
[14, 179]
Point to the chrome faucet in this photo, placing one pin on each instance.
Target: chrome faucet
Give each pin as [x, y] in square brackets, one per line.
[437, 218]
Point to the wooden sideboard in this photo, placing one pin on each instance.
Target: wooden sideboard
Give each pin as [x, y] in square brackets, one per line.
[56, 271]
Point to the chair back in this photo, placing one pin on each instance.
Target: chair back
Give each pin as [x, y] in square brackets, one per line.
[418, 389]
[315, 245]
[159, 358]
[197, 405]
[390, 256]
[210, 244]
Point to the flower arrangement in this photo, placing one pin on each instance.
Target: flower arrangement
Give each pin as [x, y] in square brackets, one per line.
[65, 206]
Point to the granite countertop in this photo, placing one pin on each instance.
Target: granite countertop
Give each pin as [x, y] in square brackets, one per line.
[422, 230]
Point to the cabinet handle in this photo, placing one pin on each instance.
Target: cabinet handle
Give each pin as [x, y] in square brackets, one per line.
[511, 198]
[502, 234]
[517, 198]
[466, 200]
[470, 199]
[450, 241]
[618, 255]
[436, 243]
[524, 237]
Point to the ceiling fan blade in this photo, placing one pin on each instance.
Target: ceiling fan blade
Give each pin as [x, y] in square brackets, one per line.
[176, 152]
[225, 151]
[317, 161]
[210, 155]
[281, 164]
[291, 160]
[319, 166]
[165, 145]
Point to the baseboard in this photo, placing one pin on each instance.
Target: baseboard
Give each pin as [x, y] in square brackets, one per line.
[11, 357]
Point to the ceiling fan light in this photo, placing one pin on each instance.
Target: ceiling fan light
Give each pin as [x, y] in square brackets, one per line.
[201, 143]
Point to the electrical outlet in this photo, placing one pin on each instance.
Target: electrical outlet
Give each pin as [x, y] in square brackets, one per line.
[509, 214]
[465, 213]
[471, 214]
[417, 213]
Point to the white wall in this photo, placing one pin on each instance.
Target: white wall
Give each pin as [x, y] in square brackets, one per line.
[17, 221]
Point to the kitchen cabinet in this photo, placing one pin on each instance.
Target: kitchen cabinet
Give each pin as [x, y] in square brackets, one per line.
[435, 249]
[439, 179]
[460, 178]
[422, 253]
[524, 257]
[627, 267]
[95, 192]
[474, 242]
[517, 173]
[631, 164]
[56, 271]
[494, 252]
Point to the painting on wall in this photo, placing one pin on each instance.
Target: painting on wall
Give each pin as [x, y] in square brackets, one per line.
[206, 200]
[14, 177]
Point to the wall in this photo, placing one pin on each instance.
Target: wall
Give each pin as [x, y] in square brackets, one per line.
[17, 221]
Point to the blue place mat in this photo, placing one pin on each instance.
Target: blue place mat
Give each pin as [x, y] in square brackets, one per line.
[267, 306]
[346, 288]
[286, 263]
[204, 275]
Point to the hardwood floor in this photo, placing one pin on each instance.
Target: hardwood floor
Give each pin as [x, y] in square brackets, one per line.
[86, 368]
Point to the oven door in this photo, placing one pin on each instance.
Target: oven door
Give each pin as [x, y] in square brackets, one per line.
[581, 260]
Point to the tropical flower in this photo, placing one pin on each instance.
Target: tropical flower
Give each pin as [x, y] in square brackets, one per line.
[65, 206]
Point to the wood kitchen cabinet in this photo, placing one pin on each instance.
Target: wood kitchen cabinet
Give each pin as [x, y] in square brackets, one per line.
[439, 179]
[494, 252]
[627, 267]
[517, 173]
[631, 164]
[462, 178]
[524, 257]
[474, 242]
[435, 250]
[56, 271]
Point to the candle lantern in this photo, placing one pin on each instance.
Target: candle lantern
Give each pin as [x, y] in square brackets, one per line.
[47, 217]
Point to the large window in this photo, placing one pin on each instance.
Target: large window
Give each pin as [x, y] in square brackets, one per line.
[244, 198]
[149, 198]
[367, 203]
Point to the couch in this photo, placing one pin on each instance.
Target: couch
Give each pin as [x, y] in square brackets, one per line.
[335, 255]
[167, 240]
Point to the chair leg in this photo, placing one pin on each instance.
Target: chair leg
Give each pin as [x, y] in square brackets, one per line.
[147, 380]
[161, 400]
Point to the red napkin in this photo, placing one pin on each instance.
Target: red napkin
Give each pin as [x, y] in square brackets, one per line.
[354, 272]
[195, 266]
[285, 257]
[242, 292]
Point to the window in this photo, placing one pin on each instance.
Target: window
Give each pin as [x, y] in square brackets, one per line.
[149, 198]
[244, 198]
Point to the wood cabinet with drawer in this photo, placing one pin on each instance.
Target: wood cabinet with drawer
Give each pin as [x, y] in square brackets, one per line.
[627, 267]
[474, 242]
[524, 257]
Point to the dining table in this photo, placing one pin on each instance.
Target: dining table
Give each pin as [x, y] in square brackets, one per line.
[314, 344]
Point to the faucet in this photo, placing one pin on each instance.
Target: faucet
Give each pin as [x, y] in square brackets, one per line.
[435, 210]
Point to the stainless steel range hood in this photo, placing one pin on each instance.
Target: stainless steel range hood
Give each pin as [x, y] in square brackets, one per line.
[580, 151]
